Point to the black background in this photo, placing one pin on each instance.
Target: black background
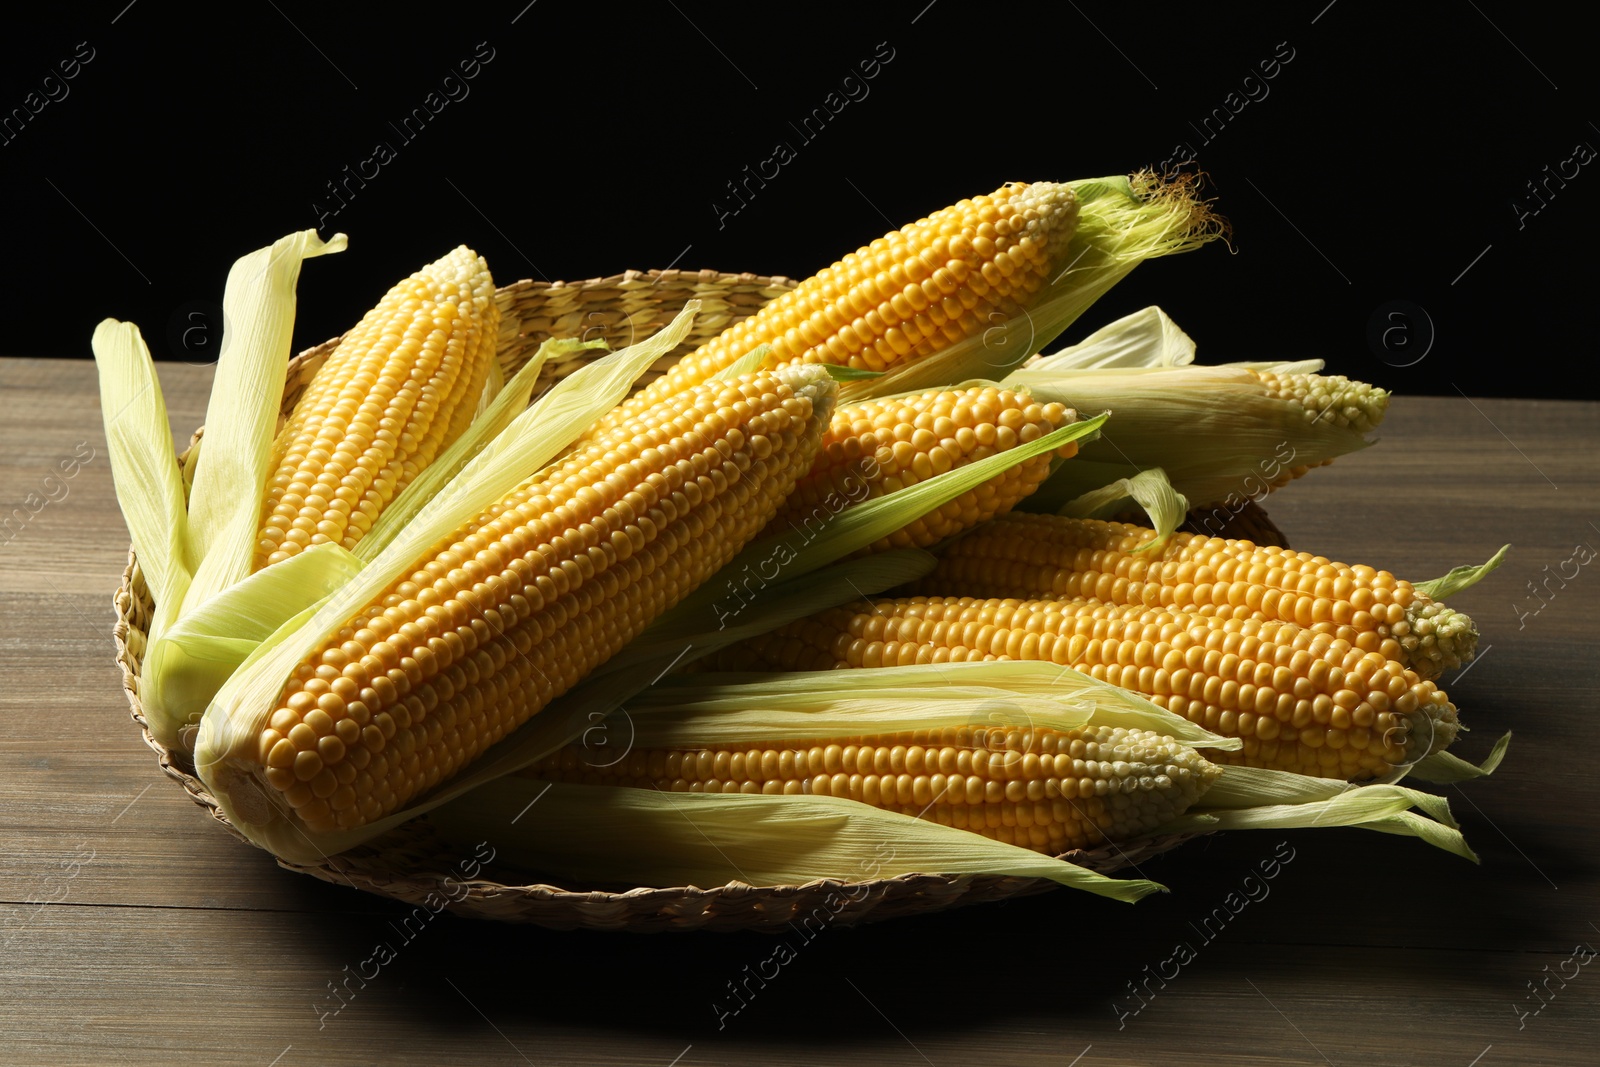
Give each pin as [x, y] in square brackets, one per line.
[1385, 162]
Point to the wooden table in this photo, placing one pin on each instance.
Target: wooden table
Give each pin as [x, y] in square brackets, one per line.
[134, 930]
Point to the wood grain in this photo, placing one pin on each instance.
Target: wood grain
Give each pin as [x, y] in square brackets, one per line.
[133, 930]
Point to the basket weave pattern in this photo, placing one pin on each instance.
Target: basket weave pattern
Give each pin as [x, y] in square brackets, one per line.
[413, 863]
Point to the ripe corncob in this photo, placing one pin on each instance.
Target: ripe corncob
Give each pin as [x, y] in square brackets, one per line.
[1330, 398]
[906, 295]
[396, 391]
[1301, 701]
[881, 446]
[1048, 790]
[1035, 556]
[1222, 434]
[517, 609]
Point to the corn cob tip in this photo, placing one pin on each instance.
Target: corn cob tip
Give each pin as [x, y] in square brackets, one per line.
[1330, 399]
[812, 381]
[1432, 727]
[1436, 637]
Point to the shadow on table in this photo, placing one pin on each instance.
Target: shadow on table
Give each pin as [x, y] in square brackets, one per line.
[1339, 914]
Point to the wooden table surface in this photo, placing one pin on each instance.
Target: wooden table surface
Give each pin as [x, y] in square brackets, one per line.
[134, 930]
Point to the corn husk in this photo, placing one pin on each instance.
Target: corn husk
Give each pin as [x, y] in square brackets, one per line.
[493, 418]
[701, 839]
[1150, 490]
[1460, 579]
[707, 709]
[1446, 768]
[1254, 798]
[193, 528]
[1146, 338]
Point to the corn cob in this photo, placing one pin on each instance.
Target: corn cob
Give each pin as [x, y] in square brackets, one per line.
[881, 446]
[514, 611]
[1301, 701]
[1035, 556]
[906, 295]
[1222, 434]
[1048, 790]
[1329, 398]
[395, 392]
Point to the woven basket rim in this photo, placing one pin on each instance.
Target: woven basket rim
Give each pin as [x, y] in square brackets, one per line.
[734, 906]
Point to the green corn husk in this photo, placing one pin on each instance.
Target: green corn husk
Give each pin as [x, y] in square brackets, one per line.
[1460, 579]
[638, 837]
[1151, 490]
[1446, 768]
[1146, 338]
[193, 528]
[493, 418]
[1253, 798]
[649, 838]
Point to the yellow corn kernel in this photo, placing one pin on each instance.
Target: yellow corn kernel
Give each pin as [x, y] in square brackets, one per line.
[1052, 556]
[1301, 701]
[907, 295]
[396, 391]
[517, 609]
[881, 446]
[1048, 790]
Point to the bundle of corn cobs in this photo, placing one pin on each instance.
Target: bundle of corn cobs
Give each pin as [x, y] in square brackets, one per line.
[418, 594]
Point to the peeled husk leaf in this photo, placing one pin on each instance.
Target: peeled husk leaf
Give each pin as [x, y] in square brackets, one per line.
[1460, 579]
[1146, 338]
[1446, 768]
[258, 308]
[1150, 490]
[193, 528]
[1254, 798]
[609, 834]
[705, 709]
[748, 363]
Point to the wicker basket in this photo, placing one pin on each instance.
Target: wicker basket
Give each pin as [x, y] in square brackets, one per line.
[415, 864]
